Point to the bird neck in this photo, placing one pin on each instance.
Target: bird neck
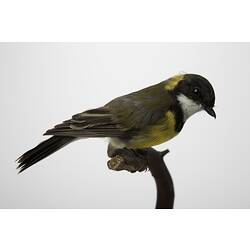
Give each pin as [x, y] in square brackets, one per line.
[188, 106]
[179, 117]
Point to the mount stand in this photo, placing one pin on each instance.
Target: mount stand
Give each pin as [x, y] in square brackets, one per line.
[141, 160]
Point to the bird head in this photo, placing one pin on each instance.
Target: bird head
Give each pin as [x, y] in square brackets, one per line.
[195, 93]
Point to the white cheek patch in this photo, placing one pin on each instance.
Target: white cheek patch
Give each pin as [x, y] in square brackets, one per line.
[189, 107]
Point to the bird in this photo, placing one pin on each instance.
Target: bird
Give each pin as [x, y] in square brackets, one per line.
[139, 120]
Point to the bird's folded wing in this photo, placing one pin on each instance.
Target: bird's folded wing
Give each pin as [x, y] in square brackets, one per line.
[143, 108]
[92, 123]
[122, 117]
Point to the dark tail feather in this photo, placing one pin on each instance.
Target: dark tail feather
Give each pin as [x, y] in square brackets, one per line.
[42, 150]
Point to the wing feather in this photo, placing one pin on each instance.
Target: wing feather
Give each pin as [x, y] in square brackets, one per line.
[139, 109]
[91, 123]
[124, 116]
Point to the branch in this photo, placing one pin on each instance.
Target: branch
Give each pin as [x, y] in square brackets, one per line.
[141, 160]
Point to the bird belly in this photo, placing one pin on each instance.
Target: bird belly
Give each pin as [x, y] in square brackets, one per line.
[156, 134]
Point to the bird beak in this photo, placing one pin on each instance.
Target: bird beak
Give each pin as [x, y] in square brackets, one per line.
[210, 111]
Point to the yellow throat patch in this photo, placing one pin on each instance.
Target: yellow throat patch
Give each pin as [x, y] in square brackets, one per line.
[173, 82]
[156, 134]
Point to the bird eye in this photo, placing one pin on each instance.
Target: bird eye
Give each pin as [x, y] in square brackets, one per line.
[196, 91]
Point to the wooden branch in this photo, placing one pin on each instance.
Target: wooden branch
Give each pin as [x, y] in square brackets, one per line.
[141, 160]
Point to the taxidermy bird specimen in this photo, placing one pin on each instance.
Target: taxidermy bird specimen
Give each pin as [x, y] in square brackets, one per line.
[135, 121]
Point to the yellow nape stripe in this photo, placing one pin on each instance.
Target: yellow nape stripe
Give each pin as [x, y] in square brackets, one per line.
[173, 82]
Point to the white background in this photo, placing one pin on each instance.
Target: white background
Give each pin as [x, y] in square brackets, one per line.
[158, 20]
[44, 84]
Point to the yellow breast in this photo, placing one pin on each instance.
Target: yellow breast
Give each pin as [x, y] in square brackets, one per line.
[152, 135]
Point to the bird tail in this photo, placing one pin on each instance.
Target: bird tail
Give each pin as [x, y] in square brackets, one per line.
[42, 150]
